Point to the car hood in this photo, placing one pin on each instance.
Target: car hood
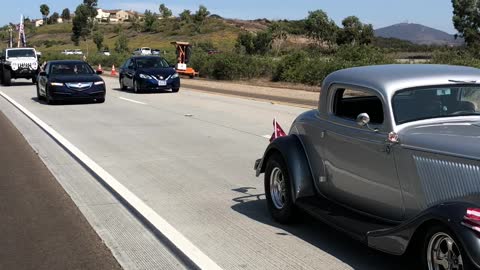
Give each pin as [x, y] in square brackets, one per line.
[157, 71]
[75, 78]
[458, 139]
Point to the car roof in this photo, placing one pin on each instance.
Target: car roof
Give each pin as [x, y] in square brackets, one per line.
[67, 62]
[146, 56]
[387, 79]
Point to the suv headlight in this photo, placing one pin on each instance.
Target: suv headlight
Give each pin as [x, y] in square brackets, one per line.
[175, 75]
[14, 66]
[144, 76]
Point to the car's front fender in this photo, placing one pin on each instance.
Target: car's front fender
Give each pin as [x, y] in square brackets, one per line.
[295, 158]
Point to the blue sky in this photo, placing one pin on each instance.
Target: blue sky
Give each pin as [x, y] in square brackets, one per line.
[433, 13]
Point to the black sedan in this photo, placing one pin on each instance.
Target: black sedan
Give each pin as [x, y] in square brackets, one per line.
[148, 73]
[67, 79]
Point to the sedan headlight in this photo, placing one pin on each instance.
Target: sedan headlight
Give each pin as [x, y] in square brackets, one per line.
[99, 83]
[56, 84]
[175, 75]
[144, 76]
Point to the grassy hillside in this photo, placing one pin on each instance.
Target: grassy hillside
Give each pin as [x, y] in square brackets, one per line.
[55, 38]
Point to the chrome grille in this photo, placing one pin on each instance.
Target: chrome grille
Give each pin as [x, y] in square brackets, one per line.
[446, 180]
[79, 86]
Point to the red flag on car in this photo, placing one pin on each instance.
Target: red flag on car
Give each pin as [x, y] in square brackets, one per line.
[277, 131]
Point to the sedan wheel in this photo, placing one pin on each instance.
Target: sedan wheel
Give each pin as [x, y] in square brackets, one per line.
[443, 251]
[122, 84]
[135, 87]
[278, 190]
[48, 98]
[39, 97]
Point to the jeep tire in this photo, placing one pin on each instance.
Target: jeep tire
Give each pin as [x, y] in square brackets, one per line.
[6, 77]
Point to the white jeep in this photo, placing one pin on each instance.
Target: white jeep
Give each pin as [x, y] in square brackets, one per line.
[18, 63]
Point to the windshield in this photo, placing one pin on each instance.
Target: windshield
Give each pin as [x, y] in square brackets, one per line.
[71, 69]
[434, 102]
[20, 53]
[152, 62]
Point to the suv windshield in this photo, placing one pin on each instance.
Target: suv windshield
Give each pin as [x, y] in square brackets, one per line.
[418, 104]
[152, 62]
[20, 53]
[71, 69]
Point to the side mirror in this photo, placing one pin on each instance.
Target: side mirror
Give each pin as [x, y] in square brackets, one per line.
[99, 72]
[363, 119]
[42, 73]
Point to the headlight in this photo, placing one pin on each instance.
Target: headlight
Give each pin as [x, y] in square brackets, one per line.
[175, 75]
[144, 76]
[99, 83]
[14, 66]
[56, 84]
[34, 66]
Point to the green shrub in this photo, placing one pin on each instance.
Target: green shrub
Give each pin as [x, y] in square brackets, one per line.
[455, 57]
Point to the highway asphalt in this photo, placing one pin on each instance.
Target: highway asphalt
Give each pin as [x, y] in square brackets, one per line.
[189, 156]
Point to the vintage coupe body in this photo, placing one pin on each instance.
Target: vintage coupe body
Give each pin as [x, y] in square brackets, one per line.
[392, 158]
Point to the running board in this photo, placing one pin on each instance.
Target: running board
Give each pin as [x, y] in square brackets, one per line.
[352, 223]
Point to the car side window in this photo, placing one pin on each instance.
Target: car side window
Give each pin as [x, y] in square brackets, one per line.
[349, 103]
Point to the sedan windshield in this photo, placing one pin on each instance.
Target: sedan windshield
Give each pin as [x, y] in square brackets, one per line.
[152, 62]
[20, 53]
[418, 104]
[71, 69]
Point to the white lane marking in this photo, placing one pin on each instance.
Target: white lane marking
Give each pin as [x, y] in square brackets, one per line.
[134, 101]
[267, 136]
[200, 259]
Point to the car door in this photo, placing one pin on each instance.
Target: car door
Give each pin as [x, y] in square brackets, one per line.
[359, 161]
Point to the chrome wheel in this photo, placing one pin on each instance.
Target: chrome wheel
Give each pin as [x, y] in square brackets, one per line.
[278, 190]
[135, 86]
[443, 253]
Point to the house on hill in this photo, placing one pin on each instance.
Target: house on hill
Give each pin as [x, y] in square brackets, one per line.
[114, 15]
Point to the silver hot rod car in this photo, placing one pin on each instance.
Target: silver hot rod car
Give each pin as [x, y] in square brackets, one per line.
[390, 157]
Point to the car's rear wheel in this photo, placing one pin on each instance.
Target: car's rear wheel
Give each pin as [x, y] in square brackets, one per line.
[175, 90]
[278, 190]
[443, 251]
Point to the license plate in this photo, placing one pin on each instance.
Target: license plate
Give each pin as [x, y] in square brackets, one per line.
[162, 83]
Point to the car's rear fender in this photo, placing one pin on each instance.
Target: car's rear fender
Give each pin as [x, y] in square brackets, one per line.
[399, 239]
[295, 158]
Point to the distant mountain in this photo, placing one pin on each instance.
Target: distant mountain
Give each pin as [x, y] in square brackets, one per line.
[418, 34]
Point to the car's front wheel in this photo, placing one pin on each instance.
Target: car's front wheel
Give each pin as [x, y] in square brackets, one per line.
[6, 77]
[278, 189]
[122, 84]
[175, 90]
[442, 250]
[39, 97]
[136, 89]
[48, 98]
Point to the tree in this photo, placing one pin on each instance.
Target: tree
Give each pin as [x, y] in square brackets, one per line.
[354, 32]
[121, 45]
[320, 27]
[186, 16]
[259, 43]
[165, 12]
[45, 10]
[279, 35]
[98, 40]
[150, 21]
[201, 14]
[66, 14]
[54, 18]
[84, 20]
[466, 19]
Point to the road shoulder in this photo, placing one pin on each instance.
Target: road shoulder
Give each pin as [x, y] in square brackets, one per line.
[41, 227]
